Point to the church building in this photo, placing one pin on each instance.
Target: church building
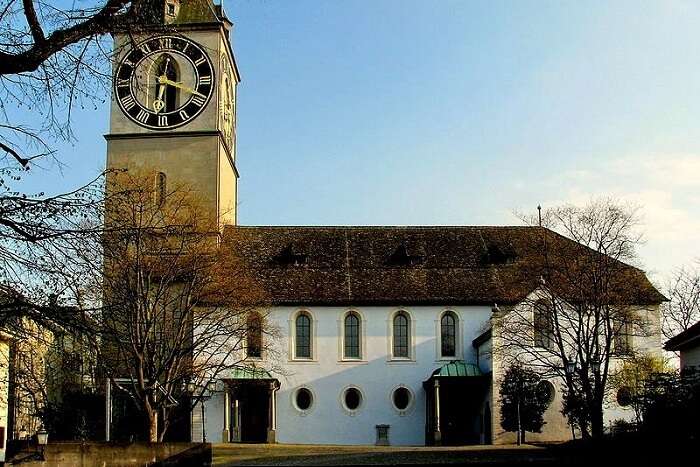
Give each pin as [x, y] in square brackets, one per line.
[386, 333]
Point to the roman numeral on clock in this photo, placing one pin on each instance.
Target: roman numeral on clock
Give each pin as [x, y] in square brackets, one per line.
[128, 102]
[142, 116]
[205, 80]
[199, 61]
[183, 115]
[198, 101]
[162, 120]
[122, 83]
[165, 43]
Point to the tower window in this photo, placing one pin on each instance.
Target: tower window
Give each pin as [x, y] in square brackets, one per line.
[171, 9]
[165, 97]
[161, 189]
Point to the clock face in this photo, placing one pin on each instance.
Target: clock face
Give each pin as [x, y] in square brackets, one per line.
[227, 100]
[164, 82]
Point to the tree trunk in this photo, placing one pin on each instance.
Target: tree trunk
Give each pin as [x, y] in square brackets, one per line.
[153, 426]
[597, 424]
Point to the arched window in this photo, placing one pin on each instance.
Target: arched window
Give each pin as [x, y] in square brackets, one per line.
[448, 335]
[543, 325]
[164, 95]
[352, 336]
[302, 337]
[254, 335]
[401, 325]
[161, 188]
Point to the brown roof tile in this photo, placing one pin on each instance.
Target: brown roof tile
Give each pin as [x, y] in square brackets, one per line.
[361, 266]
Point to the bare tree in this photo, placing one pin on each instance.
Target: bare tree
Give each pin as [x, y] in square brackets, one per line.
[587, 309]
[683, 291]
[179, 308]
[52, 58]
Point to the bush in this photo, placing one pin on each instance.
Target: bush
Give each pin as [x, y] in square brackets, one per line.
[79, 417]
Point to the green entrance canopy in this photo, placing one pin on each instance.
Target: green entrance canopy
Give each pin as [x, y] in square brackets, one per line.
[457, 368]
[251, 373]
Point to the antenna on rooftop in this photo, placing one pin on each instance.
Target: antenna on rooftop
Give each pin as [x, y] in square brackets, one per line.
[539, 215]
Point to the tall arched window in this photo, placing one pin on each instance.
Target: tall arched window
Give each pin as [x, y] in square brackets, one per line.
[543, 322]
[254, 335]
[352, 336]
[161, 188]
[302, 337]
[164, 95]
[401, 325]
[448, 335]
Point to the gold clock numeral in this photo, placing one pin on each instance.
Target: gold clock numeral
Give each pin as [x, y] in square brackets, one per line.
[122, 83]
[145, 48]
[128, 102]
[128, 62]
[199, 61]
[205, 80]
[166, 43]
[184, 115]
[142, 116]
[162, 120]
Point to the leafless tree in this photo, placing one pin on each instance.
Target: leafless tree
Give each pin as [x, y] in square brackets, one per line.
[179, 308]
[53, 57]
[683, 291]
[585, 311]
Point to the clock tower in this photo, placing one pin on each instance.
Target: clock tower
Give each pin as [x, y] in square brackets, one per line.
[173, 108]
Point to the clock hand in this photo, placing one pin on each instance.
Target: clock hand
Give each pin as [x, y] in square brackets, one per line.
[158, 104]
[164, 80]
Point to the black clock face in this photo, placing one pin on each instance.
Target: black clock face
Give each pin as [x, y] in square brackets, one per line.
[164, 82]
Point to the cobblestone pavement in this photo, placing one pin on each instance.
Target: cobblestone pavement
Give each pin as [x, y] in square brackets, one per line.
[280, 454]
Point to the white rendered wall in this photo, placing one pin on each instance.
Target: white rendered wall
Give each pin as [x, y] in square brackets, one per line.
[690, 357]
[376, 375]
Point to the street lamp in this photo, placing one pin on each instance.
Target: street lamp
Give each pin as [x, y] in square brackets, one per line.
[206, 392]
[42, 438]
[570, 367]
[595, 366]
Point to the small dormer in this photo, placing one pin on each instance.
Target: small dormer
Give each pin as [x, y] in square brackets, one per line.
[403, 257]
[171, 8]
[290, 256]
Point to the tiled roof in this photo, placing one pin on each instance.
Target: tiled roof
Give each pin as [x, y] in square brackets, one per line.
[687, 339]
[197, 11]
[408, 265]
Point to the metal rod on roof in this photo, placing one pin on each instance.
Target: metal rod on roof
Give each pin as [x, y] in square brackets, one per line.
[539, 214]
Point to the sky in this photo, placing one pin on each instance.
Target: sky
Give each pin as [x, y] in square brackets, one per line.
[440, 112]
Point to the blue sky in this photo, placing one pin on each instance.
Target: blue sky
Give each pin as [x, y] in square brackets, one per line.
[458, 112]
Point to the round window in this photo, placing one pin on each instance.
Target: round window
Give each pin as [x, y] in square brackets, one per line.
[303, 399]
[401, 398]
[624, 396]
[546, 389]
[352, 398]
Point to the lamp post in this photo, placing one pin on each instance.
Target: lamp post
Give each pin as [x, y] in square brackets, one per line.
[42, 438]
[570, 367]
[205, 394]
[595, 366]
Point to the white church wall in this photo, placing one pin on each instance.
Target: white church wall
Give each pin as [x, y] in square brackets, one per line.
[556, 427]
[376, 374]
